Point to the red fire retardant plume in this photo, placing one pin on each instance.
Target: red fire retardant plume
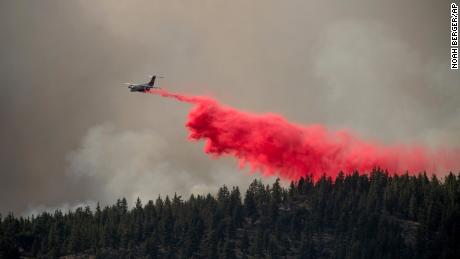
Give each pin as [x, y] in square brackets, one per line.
[270, 144]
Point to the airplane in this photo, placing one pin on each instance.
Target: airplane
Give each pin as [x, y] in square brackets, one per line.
[143, 87]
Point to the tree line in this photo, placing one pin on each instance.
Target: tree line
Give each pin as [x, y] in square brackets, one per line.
[373, 215]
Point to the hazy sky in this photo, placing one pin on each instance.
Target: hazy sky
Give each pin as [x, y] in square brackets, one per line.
[70, 134]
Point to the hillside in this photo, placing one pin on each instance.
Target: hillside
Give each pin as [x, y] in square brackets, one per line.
[353, 216]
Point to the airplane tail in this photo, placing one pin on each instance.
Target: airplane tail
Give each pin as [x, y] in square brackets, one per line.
[152, 81]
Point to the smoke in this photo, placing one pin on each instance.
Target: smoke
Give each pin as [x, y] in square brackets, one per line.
[141, 163]
[271, 144]
[377, 67]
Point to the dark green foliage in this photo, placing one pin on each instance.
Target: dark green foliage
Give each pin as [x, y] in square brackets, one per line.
[353, 216]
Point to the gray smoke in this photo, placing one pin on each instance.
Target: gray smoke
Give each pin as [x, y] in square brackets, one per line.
[71, 135]
[140, 163]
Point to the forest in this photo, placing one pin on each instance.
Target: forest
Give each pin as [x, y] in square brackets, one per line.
[375, 215]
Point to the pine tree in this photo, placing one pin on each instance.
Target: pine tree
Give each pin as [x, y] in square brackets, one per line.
[355, 216]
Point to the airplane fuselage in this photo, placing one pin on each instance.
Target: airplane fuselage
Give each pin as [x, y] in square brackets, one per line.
[141, 88]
